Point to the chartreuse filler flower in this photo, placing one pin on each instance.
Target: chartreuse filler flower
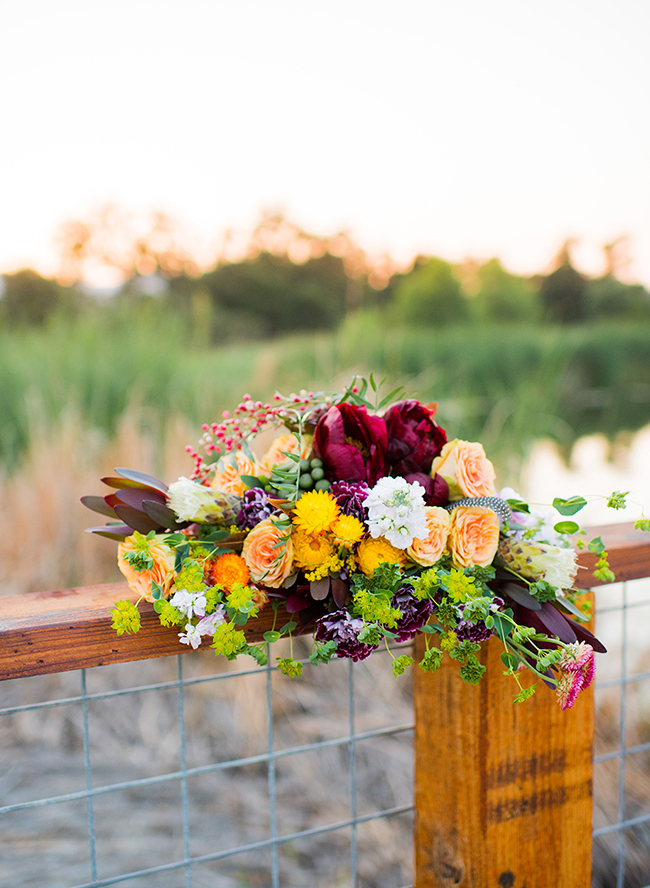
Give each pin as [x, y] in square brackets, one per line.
[369, 526]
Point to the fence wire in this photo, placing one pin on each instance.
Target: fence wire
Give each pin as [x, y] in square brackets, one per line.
[184, 866]
[622, 768]
[621, 841]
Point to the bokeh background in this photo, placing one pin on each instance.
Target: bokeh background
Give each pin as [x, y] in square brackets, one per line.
[206, 198]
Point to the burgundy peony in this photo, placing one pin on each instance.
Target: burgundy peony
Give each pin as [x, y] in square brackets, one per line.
[414, 439]
[436, 490]
[352, 444]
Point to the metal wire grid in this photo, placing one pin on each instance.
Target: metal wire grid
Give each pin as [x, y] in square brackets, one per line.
[622, 824]
[270, 757]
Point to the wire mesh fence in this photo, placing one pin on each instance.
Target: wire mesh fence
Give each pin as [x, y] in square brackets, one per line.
[181, 772]
[205, 777]
[622, 740]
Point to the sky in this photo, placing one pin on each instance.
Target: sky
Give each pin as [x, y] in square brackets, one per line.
[462, 129]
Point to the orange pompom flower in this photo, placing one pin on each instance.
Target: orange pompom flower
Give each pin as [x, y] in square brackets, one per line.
[229, 569]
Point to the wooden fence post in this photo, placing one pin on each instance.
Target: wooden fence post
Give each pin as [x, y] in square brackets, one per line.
[503, 792]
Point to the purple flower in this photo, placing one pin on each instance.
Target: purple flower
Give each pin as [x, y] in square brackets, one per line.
[476, 632]
[255, 507]
[350, 496]
[415, 613]
[340, 627]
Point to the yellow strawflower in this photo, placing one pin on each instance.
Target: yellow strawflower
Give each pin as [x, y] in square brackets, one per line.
[315, 512]
[309, 552]
[348, 530]
[373, 552]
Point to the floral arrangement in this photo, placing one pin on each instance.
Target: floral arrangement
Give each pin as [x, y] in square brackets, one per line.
[370, 526]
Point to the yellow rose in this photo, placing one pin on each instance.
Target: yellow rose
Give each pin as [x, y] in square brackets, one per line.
[259, 555]
[227, 477]
[465, 467]
[426, 552]
[474, 536]
[161, 573]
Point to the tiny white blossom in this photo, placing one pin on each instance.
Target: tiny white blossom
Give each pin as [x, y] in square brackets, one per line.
[538, 525]
[190, 604]
[191, 501]
[396, 511]
[192, 635]
[208, 625]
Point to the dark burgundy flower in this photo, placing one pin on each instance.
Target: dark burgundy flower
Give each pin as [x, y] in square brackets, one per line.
[340, 627]
[476, 632]
[415, 613]
[255, 507]
[436, 490]
[414, 439]
[350, 496]
[352, 444]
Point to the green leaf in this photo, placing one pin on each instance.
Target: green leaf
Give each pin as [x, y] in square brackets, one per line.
[430, 630]
[597, 546]
[292, 456]
[251, 481]
[569, 506]
[518, 505]
[288, 627]
[509, 660]
[566, 527]
[389, 397]
[372, 383]
[271, 636]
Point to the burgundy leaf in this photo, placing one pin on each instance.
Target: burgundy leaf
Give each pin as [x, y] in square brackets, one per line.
[98, 504]
[586, 636]
[521, 595]
[143, 478]
[162, 514]
[320, 589]
[112, 531]
[340, 591]
[137, 520]
[133, 497]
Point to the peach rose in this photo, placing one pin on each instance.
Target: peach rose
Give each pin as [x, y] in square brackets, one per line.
[465, 467]
[426, 552]
[227, 477]
[474, 536]
[161, 573]
[286, 443]
[259, 555]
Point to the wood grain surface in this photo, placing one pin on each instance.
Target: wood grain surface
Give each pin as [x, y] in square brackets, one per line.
[65, 629]
[503, 792]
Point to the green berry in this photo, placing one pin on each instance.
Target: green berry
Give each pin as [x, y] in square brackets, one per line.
[304, 466]
[317, 463]
[317, 474]
[322, 485]
[306, 482]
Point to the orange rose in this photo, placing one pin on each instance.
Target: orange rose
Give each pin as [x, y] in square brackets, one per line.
[286, 443]
[227, 477]
[465, 467]
[259, 555]
[474, 536]
[426, 552]
[161, 573]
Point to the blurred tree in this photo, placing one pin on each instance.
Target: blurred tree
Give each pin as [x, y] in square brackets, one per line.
[30, 299]
[608, 298]
[563, 291]
[112, 238]
[431, 294]
[503, 297]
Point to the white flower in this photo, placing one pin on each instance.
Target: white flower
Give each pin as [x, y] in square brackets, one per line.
[191, 501]
[192, 635]
[191, 604]
[208, 625]
[396, 511]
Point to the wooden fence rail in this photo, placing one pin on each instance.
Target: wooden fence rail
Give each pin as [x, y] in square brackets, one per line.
[503, 793]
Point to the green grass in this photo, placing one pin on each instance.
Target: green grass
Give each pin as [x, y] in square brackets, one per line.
[506, 386]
